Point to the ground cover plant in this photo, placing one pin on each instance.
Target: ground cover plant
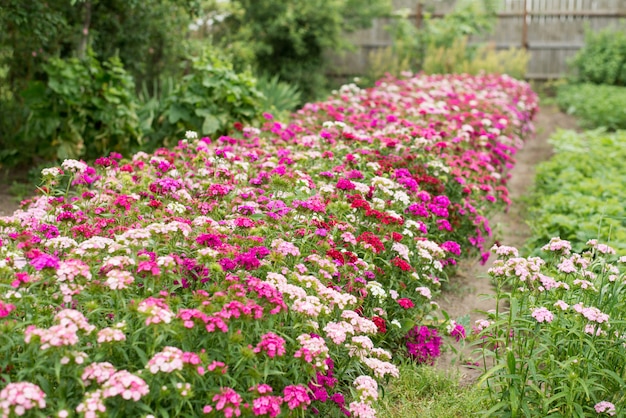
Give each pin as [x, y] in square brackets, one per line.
[596, 106]
[579, 193]
[276, 271]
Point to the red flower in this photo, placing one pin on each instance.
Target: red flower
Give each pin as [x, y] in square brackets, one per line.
[402, 264]
[380, 324]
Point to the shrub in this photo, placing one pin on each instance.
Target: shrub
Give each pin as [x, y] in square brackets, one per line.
[208, 100]
[603, 58]
[85, 109]
[458, 58]
[595, 106]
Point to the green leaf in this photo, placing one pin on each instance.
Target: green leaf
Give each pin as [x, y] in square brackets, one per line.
[210, 125]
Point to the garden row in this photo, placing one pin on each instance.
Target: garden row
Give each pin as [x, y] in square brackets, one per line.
[558, 348]
[275, 271]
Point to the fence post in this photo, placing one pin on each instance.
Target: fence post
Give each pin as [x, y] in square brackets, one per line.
[525, 25]
[418, 15]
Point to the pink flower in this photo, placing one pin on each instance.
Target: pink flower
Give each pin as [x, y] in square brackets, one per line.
[6, 309]
[20, 397]
[296, 396]
[272, 344]
[406, 303]
[542, 315]
[267, 405]
[605, 407]
[228, 401]
[126, 385]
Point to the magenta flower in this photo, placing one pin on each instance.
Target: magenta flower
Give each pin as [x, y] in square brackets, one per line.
[423, 344]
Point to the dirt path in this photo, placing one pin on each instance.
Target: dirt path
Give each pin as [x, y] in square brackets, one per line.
[510, 228]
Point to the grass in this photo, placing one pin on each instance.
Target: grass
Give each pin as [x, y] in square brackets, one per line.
[425, 392]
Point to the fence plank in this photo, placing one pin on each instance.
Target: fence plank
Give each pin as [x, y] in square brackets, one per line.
[555, 31]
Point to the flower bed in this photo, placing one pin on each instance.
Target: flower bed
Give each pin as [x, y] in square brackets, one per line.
[274, 271]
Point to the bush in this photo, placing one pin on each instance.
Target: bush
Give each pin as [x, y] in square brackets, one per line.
[208, 100]
[595, 105]
[85, 109]
[603, 58]
[458, 58]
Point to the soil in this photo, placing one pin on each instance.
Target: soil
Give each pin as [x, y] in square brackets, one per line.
[471, 286]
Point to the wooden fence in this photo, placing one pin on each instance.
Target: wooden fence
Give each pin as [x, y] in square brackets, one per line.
[552, 30]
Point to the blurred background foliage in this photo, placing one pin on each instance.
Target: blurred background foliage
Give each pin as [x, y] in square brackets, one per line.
[81, 78]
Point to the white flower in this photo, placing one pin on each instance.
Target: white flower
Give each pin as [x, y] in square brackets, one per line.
[191, 135]
[74, 166]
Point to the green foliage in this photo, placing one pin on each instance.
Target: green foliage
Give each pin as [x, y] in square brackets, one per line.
[208, 100]
[579, 193]
[86, 109]
[603, 58]
[288, 38]
[424, 391]
[280, 98]
[413, 46]
[455, 59]
[595, 105]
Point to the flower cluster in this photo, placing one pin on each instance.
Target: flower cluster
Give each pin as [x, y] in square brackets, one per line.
[268, 253]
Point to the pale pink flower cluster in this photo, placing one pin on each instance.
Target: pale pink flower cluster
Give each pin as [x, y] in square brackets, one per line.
[605, 407]
[65, 333]
[566, 266]
[126, 385]
[367, 388]
[402, 250]
[542, 315]
[92, 405]
[74, 166]
[361, 410]
[585, 284]
[166, 361]
[558, 244]
[562, 305]
[157, 311]
[381, 368]
[349, 238]
[591, 313]
[109, 335]
[70, 269]
[285, 248]
[19, 397]
[360, 346]
[481, 324]
[98, 372]
[337, 331]
[361, 325]
[525, 269]
[314, 350]
[424, 291]
[548, 283]
[601, 248]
